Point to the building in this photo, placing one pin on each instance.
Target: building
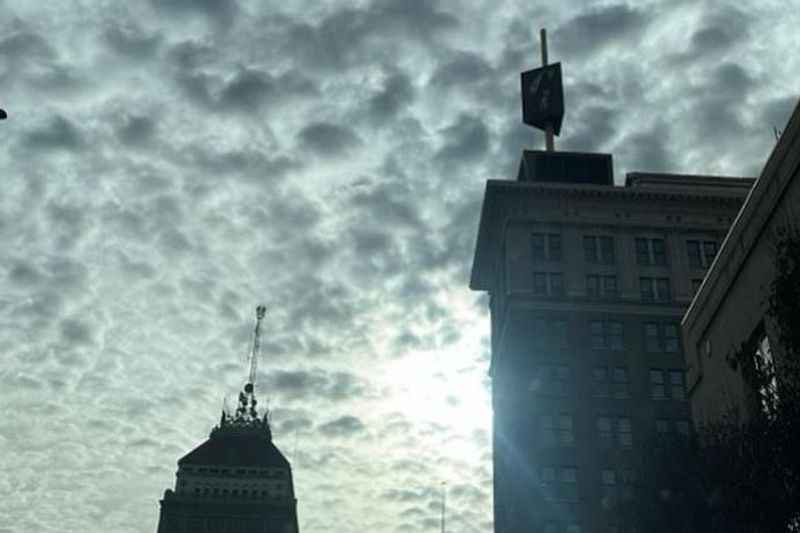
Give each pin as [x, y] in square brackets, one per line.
[730, 308]
[237, 481]
[587, 285]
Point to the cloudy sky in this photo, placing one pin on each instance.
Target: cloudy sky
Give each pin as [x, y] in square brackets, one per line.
[169, 164]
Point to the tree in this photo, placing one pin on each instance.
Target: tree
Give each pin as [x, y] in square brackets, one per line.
[740, 475]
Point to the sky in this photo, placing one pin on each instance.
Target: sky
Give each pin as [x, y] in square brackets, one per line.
[167, 165]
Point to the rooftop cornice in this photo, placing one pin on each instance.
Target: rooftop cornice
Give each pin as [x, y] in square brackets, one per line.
[705, 192]
[505, 200]
[649, 179]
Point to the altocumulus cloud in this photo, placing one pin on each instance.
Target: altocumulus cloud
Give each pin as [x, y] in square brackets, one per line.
[327, 139]
[344, 426]
[169, 164]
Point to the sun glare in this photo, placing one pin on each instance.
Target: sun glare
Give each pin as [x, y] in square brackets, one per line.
[442, 388]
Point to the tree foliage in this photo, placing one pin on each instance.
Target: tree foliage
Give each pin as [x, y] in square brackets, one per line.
[741, 475]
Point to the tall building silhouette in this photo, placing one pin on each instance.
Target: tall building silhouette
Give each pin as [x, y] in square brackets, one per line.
[587, 285]
[237, 481]
[588, 282]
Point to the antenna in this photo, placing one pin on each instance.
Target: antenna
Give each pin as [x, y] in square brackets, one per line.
[294, 451]
[444, 504]
[549, 130]
[543, 96]
[261, 310]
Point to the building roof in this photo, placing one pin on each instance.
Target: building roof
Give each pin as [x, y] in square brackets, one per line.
[231, 448]
[676, 182]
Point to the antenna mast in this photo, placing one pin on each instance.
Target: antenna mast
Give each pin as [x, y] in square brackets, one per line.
[261, 310]
[444, 504]
[549, 130]
[543, 96]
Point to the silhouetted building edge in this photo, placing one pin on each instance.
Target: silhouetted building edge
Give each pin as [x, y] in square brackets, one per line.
[730, 306]
[540, 253]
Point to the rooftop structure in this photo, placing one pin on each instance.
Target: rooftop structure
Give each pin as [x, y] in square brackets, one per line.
[237, 481]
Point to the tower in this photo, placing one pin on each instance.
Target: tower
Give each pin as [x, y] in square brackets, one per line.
[587, 283]
[237, 481]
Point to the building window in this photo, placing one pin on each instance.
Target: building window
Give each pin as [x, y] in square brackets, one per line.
[701, 253]
[642, 252]
[590, 252]
[651, 337]
[598, 249]
[621, 391]
[561, 434]
[614, 431]
[560, 484]
[604, 432]
[624, 433]
[609, 286]
[661, 337]
[682, 427]
[563, 380]
[606, 335]
[670, 337]
[658, 384]
[608, 481]
[764, 364]
[551, 381]
[615, 335]
[546, 246]
[568, 477]
[556, 284]
[592, 285]
[566, 436]
[601, 285]
[619, 383]
[677, 384]
[597, 334]
[628, 480]
[655, 289]
[548, 283]
[651, 252]
[657, 389]
[695, 257]
[600, 380]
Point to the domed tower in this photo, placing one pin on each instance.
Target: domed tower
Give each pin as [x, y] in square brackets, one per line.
[237, 481]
